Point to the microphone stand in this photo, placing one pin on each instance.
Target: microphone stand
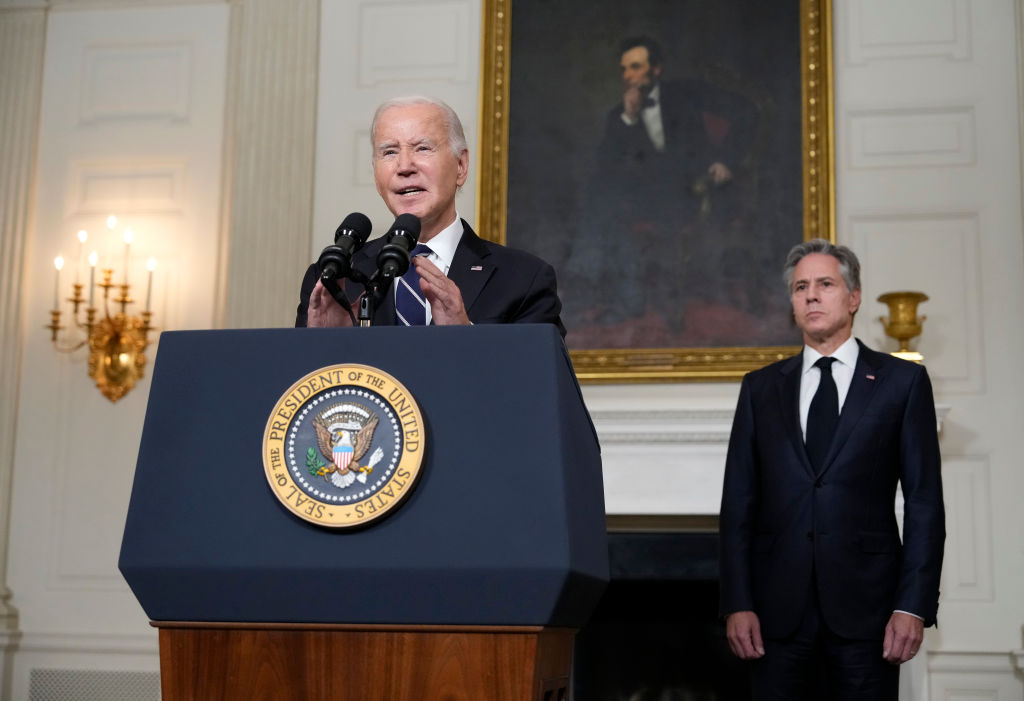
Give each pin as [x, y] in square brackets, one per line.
[374, 291]
[372, 295]
[376, 285]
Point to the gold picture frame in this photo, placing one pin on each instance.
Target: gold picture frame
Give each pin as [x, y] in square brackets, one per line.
[641, 364]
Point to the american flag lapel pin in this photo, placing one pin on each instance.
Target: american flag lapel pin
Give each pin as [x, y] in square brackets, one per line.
[477, 267]
[870, 377]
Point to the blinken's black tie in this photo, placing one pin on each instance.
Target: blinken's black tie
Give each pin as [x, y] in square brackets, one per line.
[822, 416]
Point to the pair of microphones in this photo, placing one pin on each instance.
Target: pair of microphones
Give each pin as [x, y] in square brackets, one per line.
[392, 261]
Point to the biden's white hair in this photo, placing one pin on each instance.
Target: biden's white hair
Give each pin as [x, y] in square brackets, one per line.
[456, 135]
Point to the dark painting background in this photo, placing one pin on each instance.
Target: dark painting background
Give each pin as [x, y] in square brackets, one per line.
[710, 282]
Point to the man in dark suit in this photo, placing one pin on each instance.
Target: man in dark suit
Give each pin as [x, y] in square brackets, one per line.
[420, 160]
[687, 132]
[816, 586]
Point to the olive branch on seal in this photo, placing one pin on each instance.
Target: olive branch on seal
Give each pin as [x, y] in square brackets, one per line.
[315, 464]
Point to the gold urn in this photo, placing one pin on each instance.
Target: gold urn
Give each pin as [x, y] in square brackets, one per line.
[903, 323]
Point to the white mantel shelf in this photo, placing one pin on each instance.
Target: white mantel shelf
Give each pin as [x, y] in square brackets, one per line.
[669, 462]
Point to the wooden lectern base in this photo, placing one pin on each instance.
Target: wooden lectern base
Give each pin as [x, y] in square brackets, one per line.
[285, 662]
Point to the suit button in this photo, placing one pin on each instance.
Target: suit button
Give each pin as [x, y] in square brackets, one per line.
[810, 536]
[817, 483]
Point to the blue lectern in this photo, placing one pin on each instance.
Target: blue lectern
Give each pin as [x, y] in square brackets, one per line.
[470, 588]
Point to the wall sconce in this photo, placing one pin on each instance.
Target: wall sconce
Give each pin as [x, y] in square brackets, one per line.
[903, 323]
[116, 341]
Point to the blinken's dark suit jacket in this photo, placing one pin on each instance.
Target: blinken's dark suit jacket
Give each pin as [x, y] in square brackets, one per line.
[499, 285]
[784, 530]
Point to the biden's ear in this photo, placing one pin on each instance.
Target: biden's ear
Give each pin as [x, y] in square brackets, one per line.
[463, 168]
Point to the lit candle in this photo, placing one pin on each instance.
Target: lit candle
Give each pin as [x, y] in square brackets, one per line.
[58, 263]
[93, 259]
[127, 252]
[150, 266]
[82, 236]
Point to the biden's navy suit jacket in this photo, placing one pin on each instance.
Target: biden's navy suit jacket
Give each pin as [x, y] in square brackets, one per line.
[785, 529]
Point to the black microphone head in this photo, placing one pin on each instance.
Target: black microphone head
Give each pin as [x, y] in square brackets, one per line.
[393, 258]
[408, 225]
[357, 225]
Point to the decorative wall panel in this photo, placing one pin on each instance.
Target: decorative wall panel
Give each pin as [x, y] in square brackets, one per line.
[136, 82]
[137, 187]
[935, 253]
[967, 568]
[392, 46]
[886, 29]
[920, 137]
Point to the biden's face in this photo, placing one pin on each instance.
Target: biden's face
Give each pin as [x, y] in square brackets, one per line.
[414, 167]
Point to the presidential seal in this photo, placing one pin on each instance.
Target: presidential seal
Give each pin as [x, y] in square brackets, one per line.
[343, 446]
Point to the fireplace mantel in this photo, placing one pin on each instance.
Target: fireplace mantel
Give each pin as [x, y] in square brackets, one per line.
[668, 462]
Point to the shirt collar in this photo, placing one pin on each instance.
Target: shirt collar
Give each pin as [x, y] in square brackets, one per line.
[445, 242]
[654, 95]
[845, 354]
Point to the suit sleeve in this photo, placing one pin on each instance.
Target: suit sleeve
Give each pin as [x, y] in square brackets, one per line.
[306, 289]
[924, 526]
[739, 506]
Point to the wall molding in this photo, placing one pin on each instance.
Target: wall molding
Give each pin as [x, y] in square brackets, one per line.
[153, 81]
[970, 661]
[921, 136]
[90, 643]
[22, 45]
[269, 160]
[679, 426]
[880, 237]
[903, 35]
[138, 186]
[969, 570]
[446, 58]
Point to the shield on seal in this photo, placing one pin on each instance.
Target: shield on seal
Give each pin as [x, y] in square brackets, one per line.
[342, 453]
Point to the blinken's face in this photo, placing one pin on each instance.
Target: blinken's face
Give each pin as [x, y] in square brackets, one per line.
[823, 305]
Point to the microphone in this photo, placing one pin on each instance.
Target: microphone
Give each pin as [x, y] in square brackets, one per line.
[393, 259]
[336, 260]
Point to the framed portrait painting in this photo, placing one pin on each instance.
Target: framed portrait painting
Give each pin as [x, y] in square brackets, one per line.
[663, 156]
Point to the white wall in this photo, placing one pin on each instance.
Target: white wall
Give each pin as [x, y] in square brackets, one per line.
[131, 124]
[929, 194]
[928, 191]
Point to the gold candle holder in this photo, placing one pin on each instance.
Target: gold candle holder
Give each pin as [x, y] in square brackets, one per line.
[903, 323]
[116, 341]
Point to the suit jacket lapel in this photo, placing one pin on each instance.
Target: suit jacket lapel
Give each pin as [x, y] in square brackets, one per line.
[789, 406]
[470, 269]
[866, 378]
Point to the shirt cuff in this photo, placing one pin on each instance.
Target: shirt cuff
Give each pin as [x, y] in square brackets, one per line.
[920, 618]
